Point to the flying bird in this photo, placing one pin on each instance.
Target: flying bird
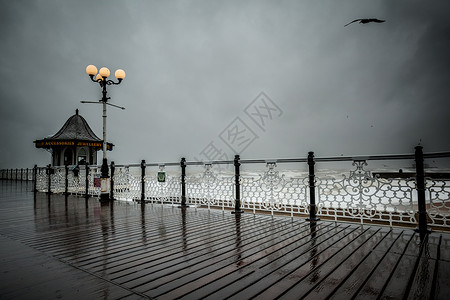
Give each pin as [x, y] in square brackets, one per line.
[365, 21]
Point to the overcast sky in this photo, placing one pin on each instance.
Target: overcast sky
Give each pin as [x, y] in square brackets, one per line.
[263, 79]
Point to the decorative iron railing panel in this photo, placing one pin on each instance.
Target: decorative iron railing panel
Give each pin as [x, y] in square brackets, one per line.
[41, 180]
[438, 208]
[57, 177]
[30, 175]
[81, 181]
[127, 183]
[162, 185]
[94, 173]
[17, 174]
[74, 183]
[210, 189]
[359, 195]
[271, 191]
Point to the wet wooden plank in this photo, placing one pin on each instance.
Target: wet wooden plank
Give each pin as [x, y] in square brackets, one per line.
[305, 278]
[28, 273]
[282, 266]
[344, 270]
[197, 247]
[222, 248]
[229, 275]
[442, 289]
[129, 246]
[417, 264]
[353, 283]
[242, 249]
[383, 272]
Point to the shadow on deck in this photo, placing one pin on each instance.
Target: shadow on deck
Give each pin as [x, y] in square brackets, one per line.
[56, 246]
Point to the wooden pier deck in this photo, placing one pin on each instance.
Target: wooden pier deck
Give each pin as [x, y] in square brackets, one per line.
[71, 248]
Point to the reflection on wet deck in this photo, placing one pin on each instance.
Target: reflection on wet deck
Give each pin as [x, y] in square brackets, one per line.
[59, 246]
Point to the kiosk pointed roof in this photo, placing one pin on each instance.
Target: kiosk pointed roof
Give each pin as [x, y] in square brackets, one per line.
[75, 128]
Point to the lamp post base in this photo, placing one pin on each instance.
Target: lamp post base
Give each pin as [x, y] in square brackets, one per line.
[104, 198]
[104, 194]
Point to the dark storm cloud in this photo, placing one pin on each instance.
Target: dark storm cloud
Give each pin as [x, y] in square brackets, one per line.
[193, 66]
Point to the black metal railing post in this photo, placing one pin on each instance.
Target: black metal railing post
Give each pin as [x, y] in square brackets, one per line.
[66, 180]
[17, 173]
[183, 182]
[237, 184]
[27, 175]
[312, 188]
[143, 182]
[86, 191]
[111, 192]
[420, 187]
[49, 179]
[21, 174]
[35, 178]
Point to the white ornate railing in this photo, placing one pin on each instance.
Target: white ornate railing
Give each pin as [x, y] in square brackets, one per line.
[17, 174]
[211, 189]
[94, 172]
[126, 185]
[438, 192]
[57, 178]
[162, 191]
[360, 195]
[273, 192]
[41, 180]
[353, 195]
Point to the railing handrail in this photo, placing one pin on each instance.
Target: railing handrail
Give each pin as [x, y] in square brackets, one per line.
[303, 159]
[443, 154]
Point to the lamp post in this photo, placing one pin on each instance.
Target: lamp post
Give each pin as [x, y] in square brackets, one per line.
[102, 79]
